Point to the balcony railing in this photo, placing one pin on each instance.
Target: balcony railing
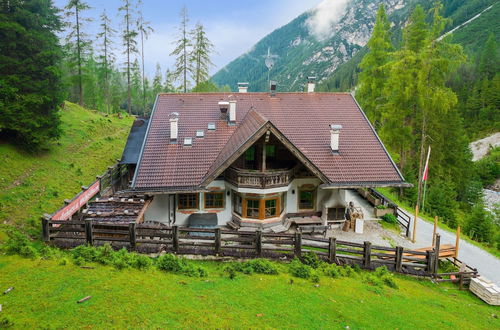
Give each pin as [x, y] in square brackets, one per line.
[253, 179]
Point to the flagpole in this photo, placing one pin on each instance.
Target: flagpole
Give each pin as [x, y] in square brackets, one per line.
[425, 177]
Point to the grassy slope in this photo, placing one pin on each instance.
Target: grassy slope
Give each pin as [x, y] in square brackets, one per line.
[150, 299]
[33, 185]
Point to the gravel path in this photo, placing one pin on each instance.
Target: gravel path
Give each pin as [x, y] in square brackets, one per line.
[487, 264]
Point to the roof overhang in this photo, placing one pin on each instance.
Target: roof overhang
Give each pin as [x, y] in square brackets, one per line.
[354, 185]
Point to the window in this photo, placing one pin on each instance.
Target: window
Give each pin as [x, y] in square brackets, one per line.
[270, 152]
[187, 201]
[214, 200]
[270, 208]
[306, 199]
[253, 208]
[238, 203]
[250, 158]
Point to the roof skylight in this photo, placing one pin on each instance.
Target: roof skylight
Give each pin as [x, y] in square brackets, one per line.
[211, 126]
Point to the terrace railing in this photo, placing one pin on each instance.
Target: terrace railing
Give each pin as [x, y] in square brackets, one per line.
[260, 180]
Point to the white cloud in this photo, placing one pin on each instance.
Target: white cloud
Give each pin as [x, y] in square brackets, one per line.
[324, 15]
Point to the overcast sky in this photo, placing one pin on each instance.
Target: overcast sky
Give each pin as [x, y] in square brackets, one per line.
[233, 26]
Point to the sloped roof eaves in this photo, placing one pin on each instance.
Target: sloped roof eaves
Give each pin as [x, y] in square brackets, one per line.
[380, 141]
[144, 141]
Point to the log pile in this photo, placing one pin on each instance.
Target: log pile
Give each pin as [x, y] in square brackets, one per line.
[486, 290]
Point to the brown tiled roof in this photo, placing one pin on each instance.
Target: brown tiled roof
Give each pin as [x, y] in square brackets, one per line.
[303, 118]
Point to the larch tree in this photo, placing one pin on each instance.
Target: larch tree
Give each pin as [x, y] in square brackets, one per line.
[77, 38]
[31, 89]
[417, 96]
[181, 51]
[129, 42]
[144, 29]
[199, 57]
[373, 68]
[107, 57]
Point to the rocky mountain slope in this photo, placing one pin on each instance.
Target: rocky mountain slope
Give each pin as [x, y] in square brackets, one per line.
[322, 41]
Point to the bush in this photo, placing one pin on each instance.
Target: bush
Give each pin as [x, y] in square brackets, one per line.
[6, 322]
[86, 252]
[331, 270]
[171, 263]
[263, 266]
[380, 277]
[298, 269]
[231, 271]
[29, 252]
[311, 259]
[142, 262]
[16, 241]
[390, 218]
[105, 254]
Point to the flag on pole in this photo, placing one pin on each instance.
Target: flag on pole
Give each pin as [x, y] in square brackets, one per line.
[426, 168]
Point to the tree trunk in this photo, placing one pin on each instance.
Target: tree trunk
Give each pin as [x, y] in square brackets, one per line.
[78, 47]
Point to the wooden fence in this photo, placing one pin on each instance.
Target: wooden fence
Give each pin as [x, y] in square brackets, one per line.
[155, 237]
[403, 218]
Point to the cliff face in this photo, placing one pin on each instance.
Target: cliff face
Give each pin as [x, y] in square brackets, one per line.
[313, 44]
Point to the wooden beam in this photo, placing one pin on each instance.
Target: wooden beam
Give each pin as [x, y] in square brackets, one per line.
[140, 217]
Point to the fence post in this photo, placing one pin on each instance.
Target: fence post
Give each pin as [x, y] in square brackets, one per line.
[436, 253]
[367, 255]
[298, 245]
[217, 241]
[457, 242]
[258, 242]
[131, 233]
[45, 229]
[89, 235]
[434, 231]
[430, 258]
[332, 250]
[399, 259]
[175, 238]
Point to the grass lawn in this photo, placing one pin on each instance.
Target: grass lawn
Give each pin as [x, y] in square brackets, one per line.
[388, 193]
[45, 295]
[31, 185]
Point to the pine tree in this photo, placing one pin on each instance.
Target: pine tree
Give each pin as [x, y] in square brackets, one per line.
[144, 29]
[74, 10]
[157, 80]
[373, 66]
[107, 57]
[168, 86]
[129, 41]
[31, 89]
[489, 62]
[181, 51]
[199, 57]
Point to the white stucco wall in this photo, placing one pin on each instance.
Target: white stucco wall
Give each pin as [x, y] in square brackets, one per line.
[158, 209]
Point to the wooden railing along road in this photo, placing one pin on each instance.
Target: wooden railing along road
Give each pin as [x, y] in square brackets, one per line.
[156, 237]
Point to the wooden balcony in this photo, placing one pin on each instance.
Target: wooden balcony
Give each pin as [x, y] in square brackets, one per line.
[260, 180]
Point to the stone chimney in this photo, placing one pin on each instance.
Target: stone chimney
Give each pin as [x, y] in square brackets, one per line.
[174, 129]
[242, 87]
[335, 137]
[311, 84]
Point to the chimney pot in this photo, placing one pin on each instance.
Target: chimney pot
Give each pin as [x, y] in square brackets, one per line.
[272, 87]
[335, 137]
[311, 84]
[174, 129]
[223, 106]
[242, 87]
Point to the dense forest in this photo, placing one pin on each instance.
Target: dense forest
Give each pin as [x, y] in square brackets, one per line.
[423, 93]
[48, 56]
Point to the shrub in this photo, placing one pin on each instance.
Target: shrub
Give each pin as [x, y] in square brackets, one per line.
[16, 241]
[29, 252]
[122, 259]
[315, 277]
[311, 259]
[171, 263]
[6, 322]
[105, 254]
[142, 262]
[78, 261]
[390, 218]
[381, 207]
[85, 252]
[48, 252]
[63, 262]
[331, 270]
[231, 271]
[380, 277]
[298, 269]
[263, 266]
